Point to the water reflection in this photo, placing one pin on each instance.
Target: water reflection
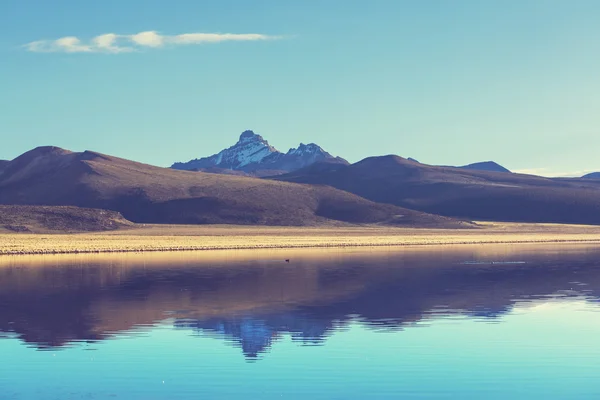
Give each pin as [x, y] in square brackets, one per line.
[252, 299]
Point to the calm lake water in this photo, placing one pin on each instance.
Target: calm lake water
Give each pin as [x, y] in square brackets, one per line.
[487, 322]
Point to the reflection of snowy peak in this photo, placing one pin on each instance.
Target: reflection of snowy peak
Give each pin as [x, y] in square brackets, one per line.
[254, 154]
[256, 334]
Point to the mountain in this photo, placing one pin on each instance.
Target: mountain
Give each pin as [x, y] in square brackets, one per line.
[490, 166]
[148, 194]
[593, 175]
[3, 163]
[254, 155]
[463, 193]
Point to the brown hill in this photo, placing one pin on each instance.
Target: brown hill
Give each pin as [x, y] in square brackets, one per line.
[143, 193]
[457, 192]
[40, 219]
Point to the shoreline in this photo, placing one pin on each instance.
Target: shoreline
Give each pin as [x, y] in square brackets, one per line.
[209, 238]
[283, 247]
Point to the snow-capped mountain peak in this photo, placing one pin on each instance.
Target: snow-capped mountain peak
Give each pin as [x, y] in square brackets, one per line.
[252, 154]
[310, 148]
[250, 148]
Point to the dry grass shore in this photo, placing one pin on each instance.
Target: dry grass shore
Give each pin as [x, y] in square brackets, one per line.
[221, 237]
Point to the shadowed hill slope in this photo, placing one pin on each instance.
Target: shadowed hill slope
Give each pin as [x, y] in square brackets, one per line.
[40, 219]
[143, 193]
[461, 193]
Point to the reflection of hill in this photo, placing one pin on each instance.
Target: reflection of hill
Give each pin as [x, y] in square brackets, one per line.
[253, 302]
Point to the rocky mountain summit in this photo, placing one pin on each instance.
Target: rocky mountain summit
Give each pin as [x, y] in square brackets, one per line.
[253, 155]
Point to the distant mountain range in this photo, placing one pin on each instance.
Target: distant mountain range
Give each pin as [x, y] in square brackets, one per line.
[253, 155]
[148, 194]
[305, 186]
[459, 192]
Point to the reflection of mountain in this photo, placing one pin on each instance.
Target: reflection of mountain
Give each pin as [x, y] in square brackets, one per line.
[251, 302]
[255, 334]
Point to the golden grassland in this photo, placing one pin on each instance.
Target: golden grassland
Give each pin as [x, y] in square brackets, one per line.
[143, 238]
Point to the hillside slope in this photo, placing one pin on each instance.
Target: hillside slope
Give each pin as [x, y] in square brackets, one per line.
[461, 193]
[147, 194]
[40, 219]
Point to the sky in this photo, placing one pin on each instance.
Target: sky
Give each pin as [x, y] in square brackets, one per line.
[444, 82]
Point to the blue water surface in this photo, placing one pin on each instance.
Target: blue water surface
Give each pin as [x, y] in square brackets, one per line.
[466, 323]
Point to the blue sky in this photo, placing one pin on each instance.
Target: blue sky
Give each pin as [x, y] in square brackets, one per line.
[445, 82]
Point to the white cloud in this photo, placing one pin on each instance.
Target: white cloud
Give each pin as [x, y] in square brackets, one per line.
[72, 45]
[148, 39]
[115, 43]
[69, 44]
[197, 38]
[108, 44]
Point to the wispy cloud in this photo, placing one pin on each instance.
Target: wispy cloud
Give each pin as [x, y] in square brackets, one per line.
[113, 43]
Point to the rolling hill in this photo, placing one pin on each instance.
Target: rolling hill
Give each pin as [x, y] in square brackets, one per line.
[463, 193]
[490, 166]
[147, 194]
[593, 175]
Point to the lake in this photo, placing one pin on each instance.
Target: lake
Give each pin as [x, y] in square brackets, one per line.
[454, 322]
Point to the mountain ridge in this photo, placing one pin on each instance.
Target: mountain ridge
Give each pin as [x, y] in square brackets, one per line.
[147, 194]
[461, 193]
